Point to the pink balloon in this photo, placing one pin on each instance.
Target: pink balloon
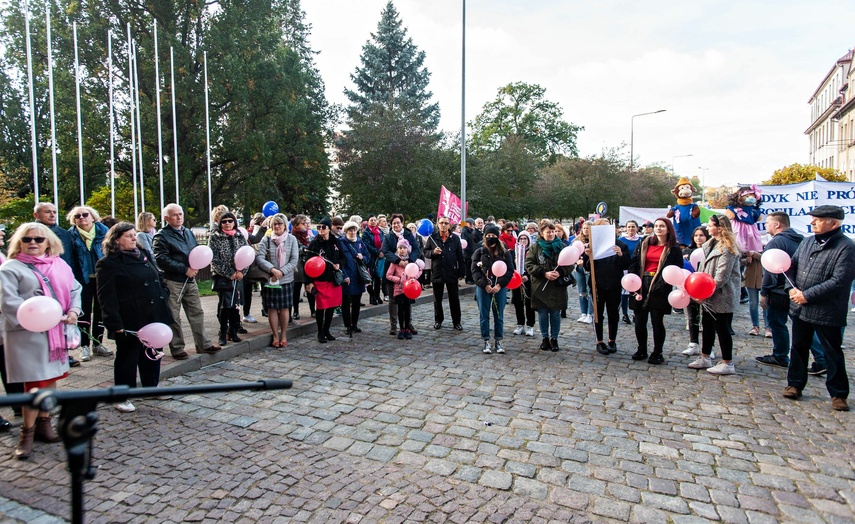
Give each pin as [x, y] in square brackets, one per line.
[696, 257]
[200, 256]
[463, 243]
[412, 270]
[499, 268]
[568, 256]
[39, 314]
[775, 261]
[679, 299]
[244, 232]
[421, 263]
[244, 258]
[673, 275]
[155, 335]
[685, 272]
[579, 245]
[631, 282]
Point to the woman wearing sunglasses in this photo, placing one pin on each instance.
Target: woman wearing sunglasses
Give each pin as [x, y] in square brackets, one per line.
[127, 267]
[36, 359]
[87, 236]
[225, 242]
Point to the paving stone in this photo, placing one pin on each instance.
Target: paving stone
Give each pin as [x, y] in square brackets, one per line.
[672, 504]
[611, 508]
[530, 488]
[496, 479]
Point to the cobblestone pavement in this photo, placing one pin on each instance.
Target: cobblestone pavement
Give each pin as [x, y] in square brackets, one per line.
[381, 430]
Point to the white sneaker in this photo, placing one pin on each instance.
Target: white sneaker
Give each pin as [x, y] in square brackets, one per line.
[101, 351]
[722, 368]
[589, 319]
[249, 319]
[519, 330]
[701, 363]
[85, 354]
[693, 349]
[529, 331]
[582, 318]
[499, 348]
[126, 407]
[487, 347]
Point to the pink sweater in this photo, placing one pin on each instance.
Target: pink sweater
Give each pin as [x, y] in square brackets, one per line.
[396, 274]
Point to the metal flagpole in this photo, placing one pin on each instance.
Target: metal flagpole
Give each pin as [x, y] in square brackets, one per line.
[79, 116]
[174, 123]
[131, 106]
[208, 140]
[112, 137]
[159, 129]
[463, 121]
[139, 129]
[52, 112]
[32, 104]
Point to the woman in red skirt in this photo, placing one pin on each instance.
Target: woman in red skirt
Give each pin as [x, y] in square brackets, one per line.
[327, 294]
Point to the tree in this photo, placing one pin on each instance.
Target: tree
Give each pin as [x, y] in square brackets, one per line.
[521, 111]
[391, 157]
[392, 76]
[796, 173]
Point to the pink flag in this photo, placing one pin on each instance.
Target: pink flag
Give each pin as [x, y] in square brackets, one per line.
[449, 206]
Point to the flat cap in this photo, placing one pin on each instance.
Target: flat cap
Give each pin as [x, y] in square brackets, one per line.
[828, 211]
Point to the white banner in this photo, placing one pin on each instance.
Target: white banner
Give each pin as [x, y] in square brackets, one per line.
[796, 200]
[641, 214]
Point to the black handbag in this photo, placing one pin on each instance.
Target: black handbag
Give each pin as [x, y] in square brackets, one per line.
[338, 277]
[221, 283]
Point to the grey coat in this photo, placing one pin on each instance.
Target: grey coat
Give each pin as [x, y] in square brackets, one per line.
[27, 353]
[723, 266]
[266, 258]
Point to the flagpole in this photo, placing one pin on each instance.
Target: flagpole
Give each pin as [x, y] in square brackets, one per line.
[159, 129]
[79, 116]
[208, 140]
[174, 123]
[32, 104]
[139, 130]
[112, 138]
[131, 107]
[52, 111]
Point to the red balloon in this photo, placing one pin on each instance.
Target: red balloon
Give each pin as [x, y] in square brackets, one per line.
[699, 285]
[516, 281]
[315, 267]
[412, 288]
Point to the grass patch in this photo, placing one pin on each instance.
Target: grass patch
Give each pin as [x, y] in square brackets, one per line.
[205, 288]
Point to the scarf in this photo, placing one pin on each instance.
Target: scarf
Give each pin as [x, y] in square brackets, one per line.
[378, 241]
[229, 233]
[684, 201]
[551, 249]
[520, 251]
[88, 236]
[61, 280]
[302, 236]
[631, 238]
[281, 250]
[136, 253]
[509, 240]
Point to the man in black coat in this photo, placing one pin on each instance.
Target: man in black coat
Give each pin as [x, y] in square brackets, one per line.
[822, 271]
[473, 237]
[445, 252]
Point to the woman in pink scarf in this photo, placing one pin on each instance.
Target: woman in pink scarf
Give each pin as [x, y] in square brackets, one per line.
[38, 359]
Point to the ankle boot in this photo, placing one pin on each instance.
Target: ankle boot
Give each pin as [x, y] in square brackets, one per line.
[45, 431]
[25, 443]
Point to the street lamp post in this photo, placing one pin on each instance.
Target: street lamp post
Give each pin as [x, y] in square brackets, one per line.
[704, 182]
[632, 133]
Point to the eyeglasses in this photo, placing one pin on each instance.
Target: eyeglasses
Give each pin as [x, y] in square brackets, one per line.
[227, 221]
[322, 227]
[81, 215]
[444, 223]
[37, 240]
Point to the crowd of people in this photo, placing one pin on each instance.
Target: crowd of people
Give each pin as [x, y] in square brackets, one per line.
[90, 268]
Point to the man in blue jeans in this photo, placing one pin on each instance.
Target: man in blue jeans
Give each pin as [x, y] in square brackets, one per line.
[773, 298]
[819, 280]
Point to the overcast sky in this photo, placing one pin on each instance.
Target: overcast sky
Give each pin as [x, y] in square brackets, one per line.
[734, 77]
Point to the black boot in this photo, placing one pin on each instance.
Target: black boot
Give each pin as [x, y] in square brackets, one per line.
[545, 345]
[224, 327]
[328, 316]
[319, 321]
[234, 324]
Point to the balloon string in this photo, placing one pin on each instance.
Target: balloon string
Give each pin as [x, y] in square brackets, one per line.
[547, 282]
[181, 293]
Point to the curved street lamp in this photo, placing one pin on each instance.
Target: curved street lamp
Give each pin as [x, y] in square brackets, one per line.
[632, 133]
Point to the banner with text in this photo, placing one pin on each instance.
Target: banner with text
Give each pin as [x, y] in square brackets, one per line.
[796, 200]
[449, 206]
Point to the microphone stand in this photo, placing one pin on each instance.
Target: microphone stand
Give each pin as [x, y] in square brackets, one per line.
[78, 419]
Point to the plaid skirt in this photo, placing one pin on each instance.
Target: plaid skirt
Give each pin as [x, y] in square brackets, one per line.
[279, 298]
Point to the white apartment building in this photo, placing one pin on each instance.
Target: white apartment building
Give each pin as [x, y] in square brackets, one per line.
[845, 118]
[825, 104]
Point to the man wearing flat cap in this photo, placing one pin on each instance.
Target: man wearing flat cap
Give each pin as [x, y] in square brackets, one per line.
[821, 273]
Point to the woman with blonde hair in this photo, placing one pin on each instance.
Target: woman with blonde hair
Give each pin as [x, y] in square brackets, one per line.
[146, 224]
[721, 261]
[278, 255]
[36, 359]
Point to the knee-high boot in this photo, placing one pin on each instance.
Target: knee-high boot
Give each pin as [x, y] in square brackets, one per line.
[234, 323]
[328, 316]
[319, 321]
[223, 317]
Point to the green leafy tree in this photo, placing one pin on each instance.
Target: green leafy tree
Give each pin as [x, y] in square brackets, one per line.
[501, 182]
[796, 173]
[522, 113]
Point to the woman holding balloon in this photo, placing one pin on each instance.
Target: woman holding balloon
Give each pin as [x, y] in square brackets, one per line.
[492, 270]
[35, 345]
[321, 270]
[650, 290]
[721, 262]
[227, 268]
[548, 296]
[126, 267]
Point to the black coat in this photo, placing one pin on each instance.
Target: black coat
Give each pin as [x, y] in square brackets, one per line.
[482, 275]
[390, 247]
[330, 249]
[473, 238]
[448, 266]
[654, 296]
[172, 251]
[131, 292]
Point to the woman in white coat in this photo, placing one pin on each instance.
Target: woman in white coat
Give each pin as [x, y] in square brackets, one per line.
[38, 359]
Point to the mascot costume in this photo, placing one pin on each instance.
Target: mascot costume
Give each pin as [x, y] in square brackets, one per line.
[743, 210]
[685, 214]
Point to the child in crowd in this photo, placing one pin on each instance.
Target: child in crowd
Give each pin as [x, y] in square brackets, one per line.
[396, 274]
